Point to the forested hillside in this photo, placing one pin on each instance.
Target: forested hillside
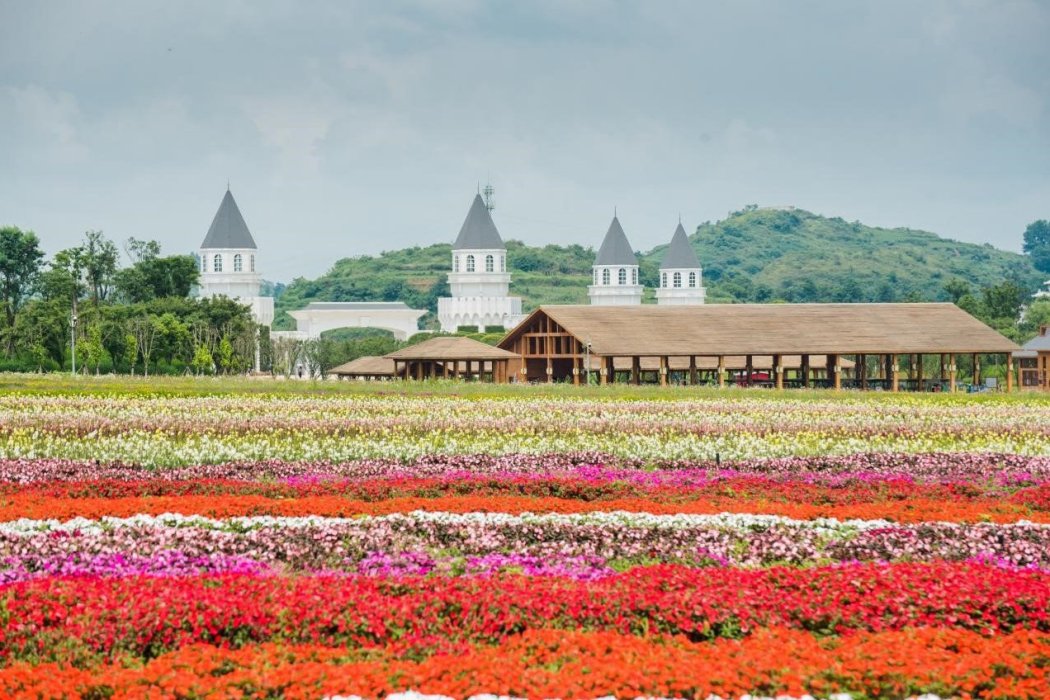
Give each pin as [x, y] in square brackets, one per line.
[754, 255]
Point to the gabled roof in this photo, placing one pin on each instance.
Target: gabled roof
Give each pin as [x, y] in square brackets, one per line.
[615, 250]
[368, 366]
[1039, 343]
[768, 329]
[680, 254]
[228, 229]
[478, 232]
[451, 348]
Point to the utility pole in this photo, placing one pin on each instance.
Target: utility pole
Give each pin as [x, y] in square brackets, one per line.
[73, 335]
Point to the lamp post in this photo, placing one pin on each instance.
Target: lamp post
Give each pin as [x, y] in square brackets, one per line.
[73, 338]
[587, 360]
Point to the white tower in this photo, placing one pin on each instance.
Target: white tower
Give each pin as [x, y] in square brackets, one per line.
[479, 281]
[681, 279]
[227, 259]
[615, 271]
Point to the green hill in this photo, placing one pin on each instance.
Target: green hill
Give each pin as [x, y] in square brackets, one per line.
[754, 255]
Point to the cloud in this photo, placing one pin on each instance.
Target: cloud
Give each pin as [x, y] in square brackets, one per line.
[53, 117]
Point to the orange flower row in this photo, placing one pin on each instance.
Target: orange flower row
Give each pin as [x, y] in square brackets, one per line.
[913, 510]
[550, 663]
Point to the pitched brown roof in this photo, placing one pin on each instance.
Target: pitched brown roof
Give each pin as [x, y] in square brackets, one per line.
[768, 329]
[370, 366]
[451, 348]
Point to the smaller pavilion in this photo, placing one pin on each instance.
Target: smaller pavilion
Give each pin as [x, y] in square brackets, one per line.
[453, 357]
[369, 367]
[1033, 361]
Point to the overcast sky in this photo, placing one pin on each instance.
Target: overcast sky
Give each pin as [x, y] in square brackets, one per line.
[349, 128]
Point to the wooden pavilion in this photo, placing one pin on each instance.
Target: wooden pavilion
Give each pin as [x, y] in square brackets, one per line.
[368, 367]
[452, 357]
[1034, 361]
[802, 344]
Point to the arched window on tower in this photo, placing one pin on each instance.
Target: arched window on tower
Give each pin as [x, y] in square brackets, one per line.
[490, 263]
[621, 278]
[663, 280]
[455, 263]
[204, 263]
[251, 262]
[677, 280]
[605, 276]
[470, 263]
[503, 263]
[216, 263]
[634, 275]
[692, 279]
[238, 263]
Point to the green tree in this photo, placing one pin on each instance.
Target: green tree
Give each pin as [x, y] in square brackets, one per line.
[93, 349]
[202, 360]
[1003, 300]
[1037, 244]
[131, 351]
[100, 264]
[20, 259]
[225, 354]
[956, 289]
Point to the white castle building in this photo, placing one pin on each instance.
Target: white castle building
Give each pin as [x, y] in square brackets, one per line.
[227, 260]
[615, 271]
[479, 281]
[681, 279]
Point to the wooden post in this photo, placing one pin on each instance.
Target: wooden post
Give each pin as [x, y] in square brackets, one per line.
[805, 371]
[444, 369]
[862, 367]
[976, 369]
[895, 376]
[749, 369]
[778, 370]
[576, 371]
[834, 371]
[944, 368]
[1009, 373]
[721, 371]
[636, 370]
[663, 370]
[952, 371]
[692, 370]
[610, 370]
[550, 371]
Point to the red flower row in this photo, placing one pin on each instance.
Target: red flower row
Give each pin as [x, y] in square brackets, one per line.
[145, 617]
[554, 663]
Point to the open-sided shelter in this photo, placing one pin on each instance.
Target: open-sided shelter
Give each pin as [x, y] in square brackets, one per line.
[559, 343]
[368, 367]
[452, 357]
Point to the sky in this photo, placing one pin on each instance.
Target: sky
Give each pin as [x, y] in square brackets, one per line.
[348, 128]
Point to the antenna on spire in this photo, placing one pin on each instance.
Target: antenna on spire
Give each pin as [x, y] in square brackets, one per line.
[227, 184]
[490, 196]
[614, 211]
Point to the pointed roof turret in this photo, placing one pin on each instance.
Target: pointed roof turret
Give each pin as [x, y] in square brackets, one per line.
[615, 250]
[478, 231]
[680, 254]
[228, 229]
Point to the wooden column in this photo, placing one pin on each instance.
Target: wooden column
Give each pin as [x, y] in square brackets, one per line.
[444, 369]
[944, 368]
[419, 370]
[805, 371]
[834, 371]
[721, 371]
[550, 371]
[862, 371]
[895, 376]
[610, 370]
[636, 370]
[576, 371]
[919, 378]
[749, 369]
[663, 370]
[692, 370]
[976, 369]
[778, 370]
[952, 371]
[1009, 373]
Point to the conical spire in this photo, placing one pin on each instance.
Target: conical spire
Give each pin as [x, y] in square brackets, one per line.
[616, 249]
[228, 229]
[478, 231]
[680, 254]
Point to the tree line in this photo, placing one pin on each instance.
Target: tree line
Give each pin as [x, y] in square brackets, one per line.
[125, 309]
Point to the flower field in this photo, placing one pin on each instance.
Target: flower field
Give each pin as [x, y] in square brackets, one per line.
[525, 544]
